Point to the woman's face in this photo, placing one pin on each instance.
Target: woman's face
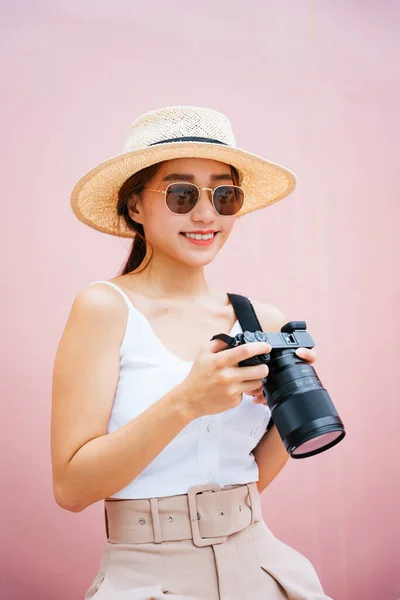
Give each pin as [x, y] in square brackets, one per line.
[166, 231]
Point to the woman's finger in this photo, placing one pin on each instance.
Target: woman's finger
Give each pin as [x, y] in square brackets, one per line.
[260, 400]
[306, 354]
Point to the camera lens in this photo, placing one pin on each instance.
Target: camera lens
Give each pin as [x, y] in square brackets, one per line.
[317, 444]
[301, 408]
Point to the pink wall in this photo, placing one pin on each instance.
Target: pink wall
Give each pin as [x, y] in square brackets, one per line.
[312, 85]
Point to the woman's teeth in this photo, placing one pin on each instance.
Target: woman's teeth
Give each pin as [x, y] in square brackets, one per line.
[198, 236]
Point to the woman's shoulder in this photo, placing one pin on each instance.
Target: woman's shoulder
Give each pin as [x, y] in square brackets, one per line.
[270, 316]
[97, 306]
[98, 295]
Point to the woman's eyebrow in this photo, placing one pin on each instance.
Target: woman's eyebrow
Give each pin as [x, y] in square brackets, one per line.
[221, 177]
[189, 177]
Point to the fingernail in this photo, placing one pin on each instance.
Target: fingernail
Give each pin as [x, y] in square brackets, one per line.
[301, 352]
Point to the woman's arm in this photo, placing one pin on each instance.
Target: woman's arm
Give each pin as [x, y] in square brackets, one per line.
[270, 452]
[271, 456]
[88, 463]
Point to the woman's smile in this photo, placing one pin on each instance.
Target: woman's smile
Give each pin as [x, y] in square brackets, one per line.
[200, 238]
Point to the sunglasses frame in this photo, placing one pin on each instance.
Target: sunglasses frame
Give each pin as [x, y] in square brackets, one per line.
[212, 190]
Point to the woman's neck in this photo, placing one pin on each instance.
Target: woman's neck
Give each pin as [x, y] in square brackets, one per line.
[168, 278]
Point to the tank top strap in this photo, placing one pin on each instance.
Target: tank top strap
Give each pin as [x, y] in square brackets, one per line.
[127, 299]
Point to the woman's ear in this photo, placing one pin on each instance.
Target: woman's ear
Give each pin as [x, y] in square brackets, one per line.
[134, 208]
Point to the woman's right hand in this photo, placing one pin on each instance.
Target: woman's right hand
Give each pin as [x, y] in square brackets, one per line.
[216, 383]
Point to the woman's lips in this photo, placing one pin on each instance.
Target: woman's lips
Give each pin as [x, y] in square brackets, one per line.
[201, 242]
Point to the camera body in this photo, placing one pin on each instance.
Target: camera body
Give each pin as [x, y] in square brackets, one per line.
[293, 335]
[301, 408]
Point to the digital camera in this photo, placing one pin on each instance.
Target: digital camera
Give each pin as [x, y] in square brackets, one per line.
[301, 408]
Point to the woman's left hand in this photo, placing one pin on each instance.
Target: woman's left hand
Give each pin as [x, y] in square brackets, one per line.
[306, 354]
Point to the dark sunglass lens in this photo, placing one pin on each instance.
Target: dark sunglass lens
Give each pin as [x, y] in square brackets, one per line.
[228, 199]
[181, 197]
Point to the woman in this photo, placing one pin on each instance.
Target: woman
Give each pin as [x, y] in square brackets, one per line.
[151, 416]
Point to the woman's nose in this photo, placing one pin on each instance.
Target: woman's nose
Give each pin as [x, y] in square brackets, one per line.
[204, 210]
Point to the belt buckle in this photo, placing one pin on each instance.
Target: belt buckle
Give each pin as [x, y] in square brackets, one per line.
[193, 514]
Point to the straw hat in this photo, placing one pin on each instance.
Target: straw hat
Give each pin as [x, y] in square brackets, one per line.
[164, 134]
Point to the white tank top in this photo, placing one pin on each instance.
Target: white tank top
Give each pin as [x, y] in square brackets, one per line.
[210, 449]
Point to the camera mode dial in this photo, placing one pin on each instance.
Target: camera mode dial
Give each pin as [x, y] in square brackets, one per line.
[256, 336]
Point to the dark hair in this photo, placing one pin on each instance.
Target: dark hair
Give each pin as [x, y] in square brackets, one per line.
[134, 185]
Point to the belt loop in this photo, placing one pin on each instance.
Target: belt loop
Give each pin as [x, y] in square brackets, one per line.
[155, 517]
[255, 503]
[106, 521]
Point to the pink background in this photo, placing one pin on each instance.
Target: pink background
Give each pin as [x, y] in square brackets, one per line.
[311, 85]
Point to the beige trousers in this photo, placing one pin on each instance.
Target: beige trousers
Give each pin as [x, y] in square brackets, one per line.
[209, 544]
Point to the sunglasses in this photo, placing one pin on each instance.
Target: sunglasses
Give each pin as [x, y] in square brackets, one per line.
[181, 198]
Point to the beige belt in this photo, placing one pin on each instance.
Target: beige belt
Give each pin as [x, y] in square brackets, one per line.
[207, 514]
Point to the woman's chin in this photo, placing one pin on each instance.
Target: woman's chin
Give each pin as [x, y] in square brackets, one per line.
[196, 258]
[198, 261]
[192, 256]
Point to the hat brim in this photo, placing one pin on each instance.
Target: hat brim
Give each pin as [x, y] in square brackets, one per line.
[94, 198]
